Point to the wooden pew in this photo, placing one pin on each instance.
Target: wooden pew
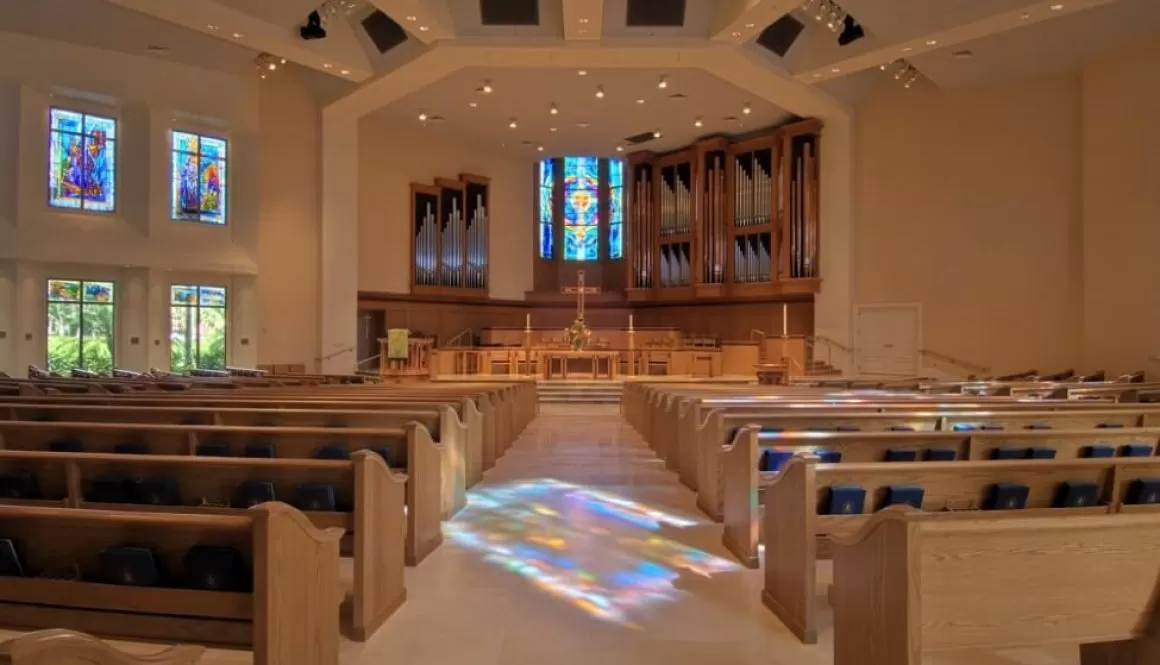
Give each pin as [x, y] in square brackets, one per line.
[370, 505]
[285, 623]
[67, 647]
[288, 442]
[441, 421]
[953, 490]
[909, 585]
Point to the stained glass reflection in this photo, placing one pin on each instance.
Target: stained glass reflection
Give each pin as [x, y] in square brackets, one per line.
[595, 550]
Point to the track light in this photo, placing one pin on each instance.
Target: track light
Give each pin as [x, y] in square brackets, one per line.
[600, 92]
[553, 109]
[512, 123]
[663, 83]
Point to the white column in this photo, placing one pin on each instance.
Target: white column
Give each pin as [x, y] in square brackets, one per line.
[8, 328]
[339, 296]
[833, 309]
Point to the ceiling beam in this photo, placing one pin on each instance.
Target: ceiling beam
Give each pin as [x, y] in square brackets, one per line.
[736, 21]
[334, 55]
[583, 20]
[824, 66]
[428, 21]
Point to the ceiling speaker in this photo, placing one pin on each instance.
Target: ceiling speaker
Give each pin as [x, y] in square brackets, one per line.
[383, 31]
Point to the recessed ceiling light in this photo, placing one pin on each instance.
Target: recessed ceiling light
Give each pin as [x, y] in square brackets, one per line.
[907, 49]
[539, 148]
[1056, 7]
[600, 92]
[817, 75]
[486, 87]
[663, 82]
[583, 72]
[553, 109]
[551, 129]
[472, 104]
[620, 148]
[345, 72]
[698, 122]
[748, 25]
[422, 116]
[1025, 15]
[737, 35]
[238, 35]
[423, 28]
[282, 60]
[583, 124]
[656, 133]
[512, 123]
[412, 19]
[583, 21]
[931, 42]
[835, 70]
[640, 101]
[212, 28]
[748, 109]
[326, 65]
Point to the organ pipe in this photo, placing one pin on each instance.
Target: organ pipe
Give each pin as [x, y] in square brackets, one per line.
[451, 229]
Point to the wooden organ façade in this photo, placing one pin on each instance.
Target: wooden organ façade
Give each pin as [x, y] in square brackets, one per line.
[449, 250]
[726, 218]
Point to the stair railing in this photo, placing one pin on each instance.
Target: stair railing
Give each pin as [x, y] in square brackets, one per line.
[457, 339]
[759, 336]
[813, 342]
[970, 367]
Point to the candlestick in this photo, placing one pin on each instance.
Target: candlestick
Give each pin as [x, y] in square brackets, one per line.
[528, 322]
[784, 320]
[630, 321]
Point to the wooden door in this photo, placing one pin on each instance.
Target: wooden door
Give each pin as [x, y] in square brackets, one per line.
[887, 339]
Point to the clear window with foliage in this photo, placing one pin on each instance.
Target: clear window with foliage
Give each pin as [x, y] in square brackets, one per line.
[81, 320]
[199, 178]
[82, 161]
[197, 327]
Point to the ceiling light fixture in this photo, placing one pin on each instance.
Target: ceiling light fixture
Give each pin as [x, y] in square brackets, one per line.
[963, 54]
[551, 129]
[553, 109]
[749, 25]
[656, 133]
[423, 28]
[640, 101]
[412, 18]
[748, 109]
[583, 21]
[698, 122]
[1056, 7]
[835, 70]
[485, 88]
[512, 123]
[582, 72]
[1025, 15]
[620, 148]
[422, 116]
[736, 35]
[212, 28]
[539, 148]
[326, 65]
[663, 82]
[931, 42]
[238, 35]
[345, 72]
[472, 104]
[600, 92]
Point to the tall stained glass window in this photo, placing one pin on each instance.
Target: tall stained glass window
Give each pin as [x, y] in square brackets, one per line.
[197, 327]
[198, 178]
[80, 325]
[615, 209]
[547, 185]
[82, 161]
[581, 208]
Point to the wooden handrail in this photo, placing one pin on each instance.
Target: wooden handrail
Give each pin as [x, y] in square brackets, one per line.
[455, 340]
[971, 367]
[335, 353]
[814, 339]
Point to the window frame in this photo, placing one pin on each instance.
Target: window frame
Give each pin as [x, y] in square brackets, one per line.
[80, 304]
[225, 182]
[116, 141]
[196, 308]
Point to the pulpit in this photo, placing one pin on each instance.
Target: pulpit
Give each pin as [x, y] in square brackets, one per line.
[405, 357]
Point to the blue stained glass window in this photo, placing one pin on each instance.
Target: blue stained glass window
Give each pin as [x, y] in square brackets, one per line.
[198, 178]
[615, 209]
[547, 183]
[581, 208]
[82, 161]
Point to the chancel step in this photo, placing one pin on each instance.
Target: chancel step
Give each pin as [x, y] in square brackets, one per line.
[579, 392]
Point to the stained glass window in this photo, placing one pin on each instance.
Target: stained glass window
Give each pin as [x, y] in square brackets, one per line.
[198, 178]
[581, 208]
[547, 184]
[615, 209]
[80, 326]
[197, 327]
[82, 161]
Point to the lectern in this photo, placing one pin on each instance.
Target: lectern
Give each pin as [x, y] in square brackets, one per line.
[405, 357]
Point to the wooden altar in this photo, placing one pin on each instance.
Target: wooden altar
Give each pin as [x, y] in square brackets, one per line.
[589, 364]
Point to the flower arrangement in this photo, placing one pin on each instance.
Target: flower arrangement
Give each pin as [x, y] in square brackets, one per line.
[578, 334]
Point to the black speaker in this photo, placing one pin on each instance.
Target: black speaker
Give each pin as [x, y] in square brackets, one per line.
[781, 34]
[383, 31]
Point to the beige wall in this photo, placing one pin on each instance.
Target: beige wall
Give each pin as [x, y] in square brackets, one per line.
[969, 202]
[289, 223]
[392, 155]
[1121, 196]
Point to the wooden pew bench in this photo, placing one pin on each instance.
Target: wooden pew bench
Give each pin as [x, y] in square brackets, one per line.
[66, 647]
[865, 446]
[145, 576]
[396, 445]
[909, 585]
[368, 503]
[797, 524]
[441, 421]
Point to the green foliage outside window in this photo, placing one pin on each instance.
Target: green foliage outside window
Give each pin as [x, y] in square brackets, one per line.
[80, 325]
[197, 327]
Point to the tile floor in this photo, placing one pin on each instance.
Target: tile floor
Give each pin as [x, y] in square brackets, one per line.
[580, 547]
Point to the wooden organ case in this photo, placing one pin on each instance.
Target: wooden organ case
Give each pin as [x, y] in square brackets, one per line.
[726, 218]
[450, 224]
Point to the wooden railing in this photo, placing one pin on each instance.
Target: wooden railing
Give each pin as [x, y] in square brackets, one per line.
[457, 339]
[958, 363]
[819, 344]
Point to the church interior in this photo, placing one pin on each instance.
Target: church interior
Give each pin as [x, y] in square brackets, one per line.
[567, 331]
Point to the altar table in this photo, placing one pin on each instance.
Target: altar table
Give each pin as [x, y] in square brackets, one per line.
[587, 364]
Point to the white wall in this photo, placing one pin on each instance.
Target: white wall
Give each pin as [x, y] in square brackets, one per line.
[391, 157]
[137, 247]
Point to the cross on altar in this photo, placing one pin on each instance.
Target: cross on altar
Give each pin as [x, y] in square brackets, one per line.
[580, 290]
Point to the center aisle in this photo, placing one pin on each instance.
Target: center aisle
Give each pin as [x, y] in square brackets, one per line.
[579, 548]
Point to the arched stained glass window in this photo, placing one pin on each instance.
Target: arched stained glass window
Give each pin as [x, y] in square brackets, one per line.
[581, 209]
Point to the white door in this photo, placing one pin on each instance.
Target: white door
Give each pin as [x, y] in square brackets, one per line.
[887, 339]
